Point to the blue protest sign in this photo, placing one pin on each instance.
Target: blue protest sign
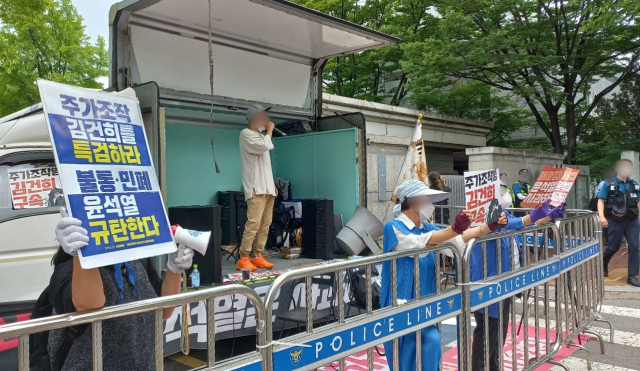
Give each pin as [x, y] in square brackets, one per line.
[106, 172]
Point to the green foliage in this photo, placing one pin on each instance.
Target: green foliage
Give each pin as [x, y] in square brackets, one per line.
[545, 53]
[44, 39]
[473, 100]
[613, 130]
[363, 75]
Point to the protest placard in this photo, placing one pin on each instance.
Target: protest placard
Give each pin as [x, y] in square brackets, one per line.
[553, 183]
[37, 187]
[481, 188]
[108, 178]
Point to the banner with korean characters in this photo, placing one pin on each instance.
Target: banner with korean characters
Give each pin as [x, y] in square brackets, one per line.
[553, 183]
[106, 172]
[481, 189]
[34, 188]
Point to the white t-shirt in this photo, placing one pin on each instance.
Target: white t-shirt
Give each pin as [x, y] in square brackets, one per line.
[256, 164]
[412, 241]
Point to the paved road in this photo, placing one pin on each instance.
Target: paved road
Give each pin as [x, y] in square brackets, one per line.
[623, 310]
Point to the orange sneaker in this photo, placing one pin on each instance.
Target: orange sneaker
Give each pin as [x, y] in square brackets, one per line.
[244, 262]
[260, 262]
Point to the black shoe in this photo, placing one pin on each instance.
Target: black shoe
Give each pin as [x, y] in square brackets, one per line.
[633, 281]
[605, 268]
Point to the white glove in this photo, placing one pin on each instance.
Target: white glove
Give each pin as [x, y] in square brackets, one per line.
[71, 235]
[179, 265]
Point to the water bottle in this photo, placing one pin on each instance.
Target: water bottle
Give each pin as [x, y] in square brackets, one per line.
[195, 276]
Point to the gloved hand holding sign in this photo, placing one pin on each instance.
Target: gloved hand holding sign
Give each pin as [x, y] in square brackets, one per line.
[558, 211]
[541, 212]
[70, 234]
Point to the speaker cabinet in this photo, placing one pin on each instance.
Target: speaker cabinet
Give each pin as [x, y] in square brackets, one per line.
[229, 216]
[203, 218]
[317, 228]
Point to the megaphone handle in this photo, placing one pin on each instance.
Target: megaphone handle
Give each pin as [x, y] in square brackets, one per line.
[181, 248]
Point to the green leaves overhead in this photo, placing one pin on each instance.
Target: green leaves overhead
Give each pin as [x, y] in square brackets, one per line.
[44, 39]
[547, 54]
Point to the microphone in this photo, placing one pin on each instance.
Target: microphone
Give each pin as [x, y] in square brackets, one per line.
[279, 131]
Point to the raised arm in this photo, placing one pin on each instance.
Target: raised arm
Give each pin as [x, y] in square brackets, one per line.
[87, 291]
[459, 228]
[257, 144]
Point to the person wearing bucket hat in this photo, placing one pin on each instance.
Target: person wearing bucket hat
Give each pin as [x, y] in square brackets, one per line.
[259, 188]
[408, 231]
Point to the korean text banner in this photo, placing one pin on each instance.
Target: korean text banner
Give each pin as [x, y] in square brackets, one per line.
[106, 172]
[553, 183]
[480, 188]
[37, 187]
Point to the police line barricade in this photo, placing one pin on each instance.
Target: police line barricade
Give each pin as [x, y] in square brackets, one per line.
[321, 345]
[496, 292]
[250, 361]
[581, 263]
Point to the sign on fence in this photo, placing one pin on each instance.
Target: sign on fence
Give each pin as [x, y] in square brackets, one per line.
[481, 188]
[553, 183]
[106, 172]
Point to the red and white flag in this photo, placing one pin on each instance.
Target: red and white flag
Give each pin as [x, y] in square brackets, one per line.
[414, 165]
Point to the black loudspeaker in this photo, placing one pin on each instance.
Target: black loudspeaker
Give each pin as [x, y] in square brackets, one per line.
[203, 218]
[317, 228]
[241, 214]
[229, 216]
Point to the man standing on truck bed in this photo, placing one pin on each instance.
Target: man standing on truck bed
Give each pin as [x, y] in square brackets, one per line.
[259, 188]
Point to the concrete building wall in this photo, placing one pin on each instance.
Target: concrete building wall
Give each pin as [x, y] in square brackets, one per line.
[510, 161]
[389, 132]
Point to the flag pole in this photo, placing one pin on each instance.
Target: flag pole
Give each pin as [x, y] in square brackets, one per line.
[402, 173]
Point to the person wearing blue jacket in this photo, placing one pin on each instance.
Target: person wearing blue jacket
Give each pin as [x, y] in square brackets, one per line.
[538, 216]
[408, 231]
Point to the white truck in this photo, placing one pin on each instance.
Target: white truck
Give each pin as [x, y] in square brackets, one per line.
[267, 51]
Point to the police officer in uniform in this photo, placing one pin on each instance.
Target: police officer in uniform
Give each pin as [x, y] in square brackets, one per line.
[521, 189]
[618, 211]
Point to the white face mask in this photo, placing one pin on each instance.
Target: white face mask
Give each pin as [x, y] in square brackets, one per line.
[427, 211]
[261, 128]
[624, 172]
[505, 201]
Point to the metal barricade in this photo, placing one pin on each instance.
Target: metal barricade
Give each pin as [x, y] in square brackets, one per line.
[581, 263]
[318, 346]
[253, 360]
[557, 280]
[537, 272]
[439, 216]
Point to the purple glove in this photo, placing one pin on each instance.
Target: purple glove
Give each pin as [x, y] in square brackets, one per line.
[541, 212]
[558, 211]
[461, 223]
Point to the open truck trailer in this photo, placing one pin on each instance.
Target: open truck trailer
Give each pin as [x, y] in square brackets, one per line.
[267, 51]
